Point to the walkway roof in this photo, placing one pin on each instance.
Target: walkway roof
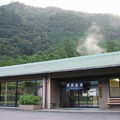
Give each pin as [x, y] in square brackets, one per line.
[68, 64]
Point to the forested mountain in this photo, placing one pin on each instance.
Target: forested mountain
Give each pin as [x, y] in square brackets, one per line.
[31, 34]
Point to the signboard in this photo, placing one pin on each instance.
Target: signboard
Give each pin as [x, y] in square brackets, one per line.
[74, 86]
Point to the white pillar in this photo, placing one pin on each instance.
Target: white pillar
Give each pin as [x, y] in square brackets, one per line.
[47, 93]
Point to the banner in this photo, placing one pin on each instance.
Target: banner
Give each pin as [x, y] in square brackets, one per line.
[74, 86]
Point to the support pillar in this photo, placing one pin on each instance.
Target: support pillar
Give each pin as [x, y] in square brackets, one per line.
[103, 93]
[46, 93]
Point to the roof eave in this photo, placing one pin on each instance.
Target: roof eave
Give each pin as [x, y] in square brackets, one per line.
[65, 70]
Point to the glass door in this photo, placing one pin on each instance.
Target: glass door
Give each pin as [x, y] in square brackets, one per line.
[83, 97]
[74, 98]
[93, 97]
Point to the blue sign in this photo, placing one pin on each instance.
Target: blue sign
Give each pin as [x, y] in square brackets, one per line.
[74, 86]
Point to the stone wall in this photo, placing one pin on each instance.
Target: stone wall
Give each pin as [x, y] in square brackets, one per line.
[103, 93]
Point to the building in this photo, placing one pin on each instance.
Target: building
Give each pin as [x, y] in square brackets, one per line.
[86, 81]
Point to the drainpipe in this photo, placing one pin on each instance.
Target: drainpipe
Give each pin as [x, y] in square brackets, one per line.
[35, 87]
[16, 94]
[45, 93]
[0, 91]
[5, 98]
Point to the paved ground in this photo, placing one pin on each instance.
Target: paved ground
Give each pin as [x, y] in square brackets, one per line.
[36, 115]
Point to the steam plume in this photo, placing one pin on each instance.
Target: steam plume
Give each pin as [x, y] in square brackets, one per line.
[91, 42]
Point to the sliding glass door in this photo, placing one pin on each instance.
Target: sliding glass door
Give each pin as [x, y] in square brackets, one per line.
[88, 97]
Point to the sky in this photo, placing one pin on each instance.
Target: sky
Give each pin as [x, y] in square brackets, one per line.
[89, 6]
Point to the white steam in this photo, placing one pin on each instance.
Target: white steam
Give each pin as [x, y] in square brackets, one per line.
[91, 42]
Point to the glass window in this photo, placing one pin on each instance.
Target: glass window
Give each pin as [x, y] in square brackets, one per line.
[30, 87]
[115, 87]
[114, 82]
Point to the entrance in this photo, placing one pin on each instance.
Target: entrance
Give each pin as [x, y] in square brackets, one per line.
[85, 98]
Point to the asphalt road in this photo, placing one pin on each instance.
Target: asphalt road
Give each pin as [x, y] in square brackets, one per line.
[35, 115]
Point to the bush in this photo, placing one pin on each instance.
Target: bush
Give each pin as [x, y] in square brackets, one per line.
[29, 100]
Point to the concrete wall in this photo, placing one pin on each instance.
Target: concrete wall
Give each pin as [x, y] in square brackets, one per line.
[55, 93]
[103, 93]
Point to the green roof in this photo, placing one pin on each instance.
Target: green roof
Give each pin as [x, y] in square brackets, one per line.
[68, 64]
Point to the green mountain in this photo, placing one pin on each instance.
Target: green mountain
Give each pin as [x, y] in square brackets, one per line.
[30, 34]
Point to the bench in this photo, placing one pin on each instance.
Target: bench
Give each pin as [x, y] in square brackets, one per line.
[113, 101]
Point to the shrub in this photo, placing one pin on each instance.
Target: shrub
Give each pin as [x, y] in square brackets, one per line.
[29, 100]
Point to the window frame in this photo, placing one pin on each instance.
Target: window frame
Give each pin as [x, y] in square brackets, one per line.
[113, 87]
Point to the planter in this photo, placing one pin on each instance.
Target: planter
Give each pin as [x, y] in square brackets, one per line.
[30, 107]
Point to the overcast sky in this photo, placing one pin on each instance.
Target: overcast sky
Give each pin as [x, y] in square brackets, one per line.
[91, 6]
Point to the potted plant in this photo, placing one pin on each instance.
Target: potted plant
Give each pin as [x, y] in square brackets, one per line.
[29, 102]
